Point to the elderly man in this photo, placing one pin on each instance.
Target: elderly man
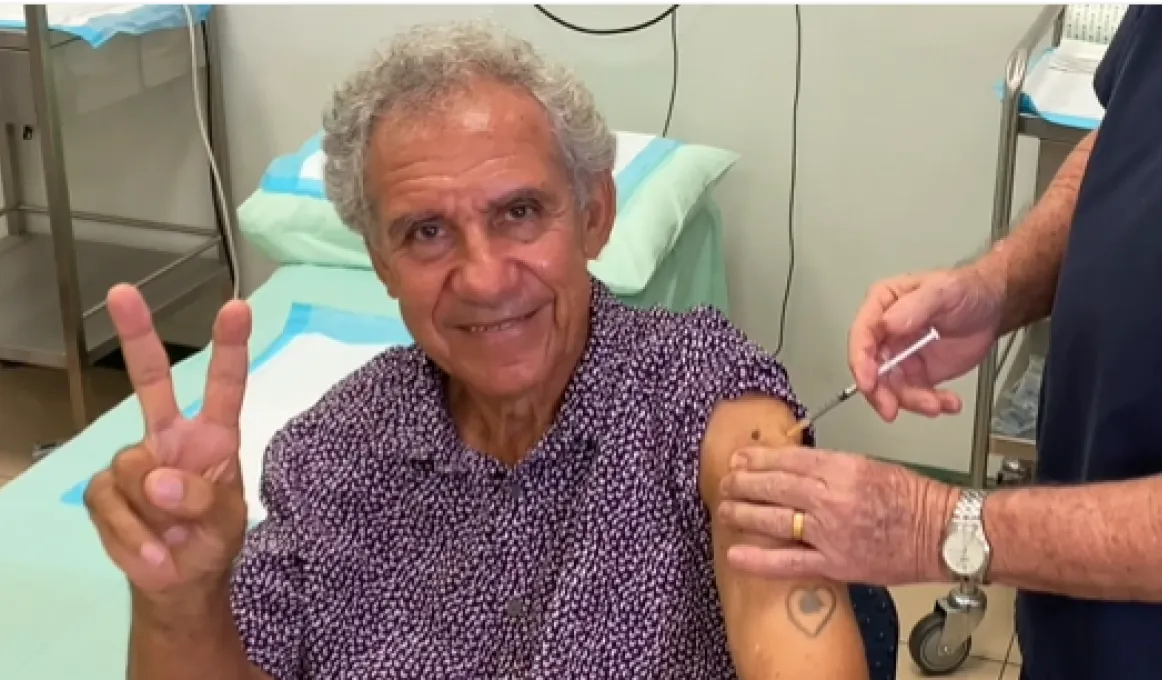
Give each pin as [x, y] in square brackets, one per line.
[1084, 544]
[525, 491]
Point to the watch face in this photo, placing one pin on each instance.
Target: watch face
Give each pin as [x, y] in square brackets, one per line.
[964, 552]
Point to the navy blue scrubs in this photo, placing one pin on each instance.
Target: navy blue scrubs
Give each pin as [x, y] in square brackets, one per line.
[1101, 404]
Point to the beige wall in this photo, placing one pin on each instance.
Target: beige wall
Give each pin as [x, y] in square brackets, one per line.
[897, 140]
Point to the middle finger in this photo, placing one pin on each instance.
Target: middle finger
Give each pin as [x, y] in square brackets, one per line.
[913, 395]
[229, 363]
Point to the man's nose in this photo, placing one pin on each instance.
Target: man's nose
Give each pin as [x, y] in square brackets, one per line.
[485, 274]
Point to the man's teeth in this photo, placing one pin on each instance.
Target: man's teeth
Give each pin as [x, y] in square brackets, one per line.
[492, 327]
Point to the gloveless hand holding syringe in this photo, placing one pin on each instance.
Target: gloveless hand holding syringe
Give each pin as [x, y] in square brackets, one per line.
[850, 391]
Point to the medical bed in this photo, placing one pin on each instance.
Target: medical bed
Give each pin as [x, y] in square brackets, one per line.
[1053, 103]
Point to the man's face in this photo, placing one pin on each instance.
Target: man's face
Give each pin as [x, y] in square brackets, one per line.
[480, 239]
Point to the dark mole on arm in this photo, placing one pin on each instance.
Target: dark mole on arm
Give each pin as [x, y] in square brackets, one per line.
[756, 435]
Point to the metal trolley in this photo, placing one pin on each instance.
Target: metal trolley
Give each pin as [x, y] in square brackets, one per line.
[52, 285]
[942, 640]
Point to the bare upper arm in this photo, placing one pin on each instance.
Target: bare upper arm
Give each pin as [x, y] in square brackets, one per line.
[774, 628]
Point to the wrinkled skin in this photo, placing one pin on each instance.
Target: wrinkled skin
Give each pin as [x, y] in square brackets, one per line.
[170, 510]
[867, 521]
[864, 521]
[482, 240]
[959, 303]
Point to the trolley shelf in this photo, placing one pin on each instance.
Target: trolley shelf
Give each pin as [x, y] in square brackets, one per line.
[1043, 130]
[52, 285]
[16, 40]
[1013, 447]
[30, 304]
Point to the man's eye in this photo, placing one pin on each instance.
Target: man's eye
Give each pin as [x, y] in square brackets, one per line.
[427, 232]
[521, 212]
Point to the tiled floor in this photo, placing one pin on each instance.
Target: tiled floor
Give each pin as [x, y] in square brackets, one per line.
[994, 652]
[11, 465]
[34, 410]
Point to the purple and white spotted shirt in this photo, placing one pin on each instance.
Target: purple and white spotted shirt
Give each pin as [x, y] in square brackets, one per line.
[391, 550]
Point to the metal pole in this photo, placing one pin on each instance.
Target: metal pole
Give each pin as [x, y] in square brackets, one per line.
[1015, 72]
[59, 210]
[227, 218]
[13, 183]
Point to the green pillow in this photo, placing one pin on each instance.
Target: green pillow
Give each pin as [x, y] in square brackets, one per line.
[660, 182]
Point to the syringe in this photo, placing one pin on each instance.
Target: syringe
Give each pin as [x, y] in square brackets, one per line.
[850, 391]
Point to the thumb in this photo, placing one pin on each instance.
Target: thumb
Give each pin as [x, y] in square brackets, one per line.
[913, 313]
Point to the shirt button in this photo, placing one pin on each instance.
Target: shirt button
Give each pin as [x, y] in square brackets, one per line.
[515, 491]
[515, 607]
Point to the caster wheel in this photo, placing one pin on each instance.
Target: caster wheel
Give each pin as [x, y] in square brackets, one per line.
[924, 646]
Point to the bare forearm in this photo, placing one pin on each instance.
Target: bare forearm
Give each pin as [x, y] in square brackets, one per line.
[1098, 541]
[172, 644]
[1026, 264]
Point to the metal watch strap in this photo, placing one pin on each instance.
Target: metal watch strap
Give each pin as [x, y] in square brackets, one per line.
[969, 506]
[970, 511]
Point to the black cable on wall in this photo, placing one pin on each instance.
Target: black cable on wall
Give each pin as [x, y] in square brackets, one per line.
[670, 13]
[794, 175]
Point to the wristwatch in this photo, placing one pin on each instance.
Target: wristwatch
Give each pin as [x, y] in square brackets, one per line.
[966, 549]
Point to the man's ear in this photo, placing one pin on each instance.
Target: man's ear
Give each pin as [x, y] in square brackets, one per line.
[600, 215]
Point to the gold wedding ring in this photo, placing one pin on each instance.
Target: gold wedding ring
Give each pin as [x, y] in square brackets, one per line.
[797, 520]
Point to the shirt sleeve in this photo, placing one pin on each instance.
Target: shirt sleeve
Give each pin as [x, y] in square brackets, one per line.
[716, 362]
[268, 576]
[1109, 70]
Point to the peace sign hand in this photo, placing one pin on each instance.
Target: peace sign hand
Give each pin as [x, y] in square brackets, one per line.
[170, 510]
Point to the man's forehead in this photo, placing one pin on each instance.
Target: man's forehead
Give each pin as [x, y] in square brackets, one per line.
[477, 139]
[481, 106]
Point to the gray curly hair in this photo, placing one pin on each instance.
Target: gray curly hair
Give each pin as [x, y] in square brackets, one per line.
[419, 69]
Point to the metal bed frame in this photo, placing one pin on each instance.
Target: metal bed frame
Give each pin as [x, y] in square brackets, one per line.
[941, 641]
[52, 286]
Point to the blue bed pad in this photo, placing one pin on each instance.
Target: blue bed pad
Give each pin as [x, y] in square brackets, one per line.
[129, 20]
[1029, 107]
[64, 607]
[347, 327]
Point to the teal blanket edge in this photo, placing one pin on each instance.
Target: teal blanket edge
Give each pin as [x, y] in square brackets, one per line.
[347, 327]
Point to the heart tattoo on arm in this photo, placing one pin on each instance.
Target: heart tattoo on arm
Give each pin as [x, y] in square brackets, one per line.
[811, 608]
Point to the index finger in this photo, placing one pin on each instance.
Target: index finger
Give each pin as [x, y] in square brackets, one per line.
[773, 487]
[866, 332]
[799, 460]
[145, 357]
